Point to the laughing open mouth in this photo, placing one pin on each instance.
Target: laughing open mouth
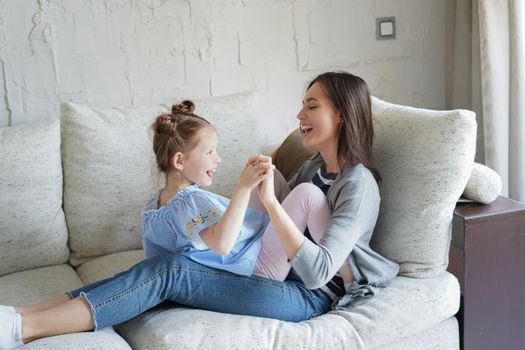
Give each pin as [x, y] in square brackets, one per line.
[305, 129]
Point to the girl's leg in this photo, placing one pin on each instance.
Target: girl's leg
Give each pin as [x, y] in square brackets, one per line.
[47, 304]
[60, 299]
[179, 279]
[69, 317]
[281, 189]
[307, 207]
[35, 318]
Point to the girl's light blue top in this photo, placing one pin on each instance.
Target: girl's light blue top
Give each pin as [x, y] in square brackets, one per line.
[176, 228]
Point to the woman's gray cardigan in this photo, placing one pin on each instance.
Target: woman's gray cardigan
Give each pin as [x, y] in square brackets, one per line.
[353, 200]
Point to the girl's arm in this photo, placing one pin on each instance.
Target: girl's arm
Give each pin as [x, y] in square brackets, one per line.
[222, 236]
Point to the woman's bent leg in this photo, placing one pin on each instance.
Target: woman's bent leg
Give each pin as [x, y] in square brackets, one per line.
[307, 207]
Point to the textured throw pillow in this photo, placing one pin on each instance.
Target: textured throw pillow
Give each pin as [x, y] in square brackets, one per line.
[32, 227]
[425, 158]
[484, 184]
[108, 167]
[291, 154]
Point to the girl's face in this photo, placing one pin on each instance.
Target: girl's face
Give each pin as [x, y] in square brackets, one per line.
[200, 163]
[318, 121]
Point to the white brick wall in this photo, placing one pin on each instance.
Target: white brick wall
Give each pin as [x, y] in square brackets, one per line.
[132, 52]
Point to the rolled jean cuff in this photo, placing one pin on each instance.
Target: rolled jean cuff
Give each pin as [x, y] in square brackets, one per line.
[92, 309]
[74, 293]
[79, 293]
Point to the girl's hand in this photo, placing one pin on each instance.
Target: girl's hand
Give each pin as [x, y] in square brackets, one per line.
[253, 174]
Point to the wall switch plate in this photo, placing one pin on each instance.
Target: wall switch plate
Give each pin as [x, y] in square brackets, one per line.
[385, 28]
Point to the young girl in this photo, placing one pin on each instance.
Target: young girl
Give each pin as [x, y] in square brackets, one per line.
[336, 122]
[207, 228]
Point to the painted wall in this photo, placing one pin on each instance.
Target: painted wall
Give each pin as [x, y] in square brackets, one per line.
[134, 52]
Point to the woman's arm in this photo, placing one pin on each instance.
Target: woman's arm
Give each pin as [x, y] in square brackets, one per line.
[354, 216]
[221, 236]
[289, 235]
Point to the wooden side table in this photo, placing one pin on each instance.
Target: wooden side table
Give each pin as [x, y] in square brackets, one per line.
[487, 255]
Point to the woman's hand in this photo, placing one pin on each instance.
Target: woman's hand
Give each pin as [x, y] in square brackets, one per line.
[266, 187]
[267, 190]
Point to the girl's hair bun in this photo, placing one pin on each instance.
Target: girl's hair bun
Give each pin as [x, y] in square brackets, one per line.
[185, 107]
[165, 123]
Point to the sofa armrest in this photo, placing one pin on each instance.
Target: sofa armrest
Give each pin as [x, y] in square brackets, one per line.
[487, 256]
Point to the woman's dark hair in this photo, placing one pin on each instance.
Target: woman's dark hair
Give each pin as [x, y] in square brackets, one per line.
[350, 96]
[175, 132]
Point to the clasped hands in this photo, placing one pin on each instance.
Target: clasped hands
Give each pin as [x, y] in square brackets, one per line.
[258, 172]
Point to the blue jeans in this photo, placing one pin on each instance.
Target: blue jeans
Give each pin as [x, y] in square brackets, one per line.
[176, 278]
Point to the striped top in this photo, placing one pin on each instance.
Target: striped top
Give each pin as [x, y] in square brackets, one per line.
[336, 286]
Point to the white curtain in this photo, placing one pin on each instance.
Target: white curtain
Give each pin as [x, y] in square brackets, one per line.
[487, 76]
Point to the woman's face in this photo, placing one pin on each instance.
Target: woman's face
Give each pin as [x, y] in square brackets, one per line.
[318, 121]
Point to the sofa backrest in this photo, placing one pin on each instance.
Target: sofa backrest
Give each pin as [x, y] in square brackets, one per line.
[108, 167]
[425, 158]
[32, 226]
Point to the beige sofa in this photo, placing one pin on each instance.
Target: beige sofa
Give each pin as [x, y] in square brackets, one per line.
[71, 195]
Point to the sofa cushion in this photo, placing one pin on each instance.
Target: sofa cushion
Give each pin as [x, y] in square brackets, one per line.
[105, 338]
[108, 167]
[99, 268]
[32, 286]
[33, 230]
[425, 158]
[444, 335]
[406, 307]
[174, 327]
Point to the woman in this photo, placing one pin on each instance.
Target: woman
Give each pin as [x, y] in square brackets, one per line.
[338, 268]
